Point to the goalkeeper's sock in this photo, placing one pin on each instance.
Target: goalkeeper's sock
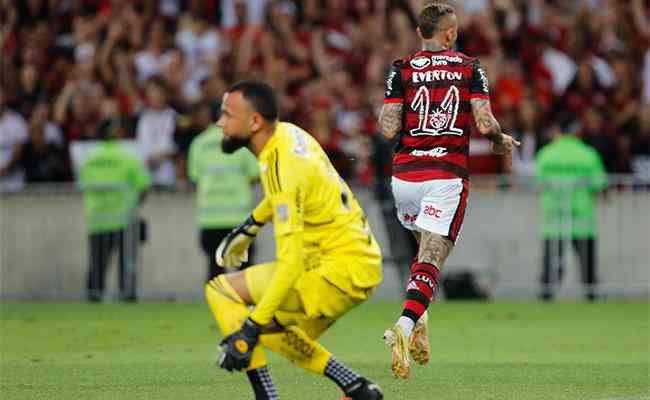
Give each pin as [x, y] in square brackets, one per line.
[341, 374]
[419, 293]
[263, 386]
[295, 345]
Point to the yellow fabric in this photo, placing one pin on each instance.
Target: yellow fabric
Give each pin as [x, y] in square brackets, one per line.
[295, 345]
[263, 212]
[313, 303]
[317, 221]
[230, 313]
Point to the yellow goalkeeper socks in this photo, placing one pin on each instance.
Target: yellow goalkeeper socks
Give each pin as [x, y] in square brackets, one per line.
[295, 345]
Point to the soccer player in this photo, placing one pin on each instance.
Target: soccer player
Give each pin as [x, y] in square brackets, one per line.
[327, 258]
[428, 99]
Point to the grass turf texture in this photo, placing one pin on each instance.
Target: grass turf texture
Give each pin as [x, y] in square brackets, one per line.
[522, 351]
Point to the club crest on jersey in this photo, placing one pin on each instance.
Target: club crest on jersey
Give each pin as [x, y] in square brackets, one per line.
[439, 119]
[420, 62]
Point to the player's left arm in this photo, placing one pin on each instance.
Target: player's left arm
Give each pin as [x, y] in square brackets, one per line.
[285, 192]
[486, 123]
[390, 117]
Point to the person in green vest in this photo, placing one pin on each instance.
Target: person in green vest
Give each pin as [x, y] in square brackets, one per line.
[225, 194]
[114, 182]
[571, 173]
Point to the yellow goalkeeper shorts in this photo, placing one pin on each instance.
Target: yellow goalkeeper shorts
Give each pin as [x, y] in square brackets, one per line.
[314, 303]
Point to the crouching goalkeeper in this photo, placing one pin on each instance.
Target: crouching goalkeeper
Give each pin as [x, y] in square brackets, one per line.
[327, 258]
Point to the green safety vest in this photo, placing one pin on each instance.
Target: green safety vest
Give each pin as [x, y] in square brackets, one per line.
[112, 180]
[570, 173]
[224, 181]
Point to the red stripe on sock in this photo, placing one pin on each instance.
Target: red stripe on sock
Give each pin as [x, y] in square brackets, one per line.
[414, 306]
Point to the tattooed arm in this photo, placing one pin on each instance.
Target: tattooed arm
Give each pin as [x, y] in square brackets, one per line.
[490, 128]
[390, 120]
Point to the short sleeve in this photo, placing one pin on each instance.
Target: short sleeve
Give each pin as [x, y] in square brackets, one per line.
[479, 87]
[394, 85]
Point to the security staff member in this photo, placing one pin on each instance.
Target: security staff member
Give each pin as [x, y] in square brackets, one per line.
[225, 190]
[571, 174]
[113, 182]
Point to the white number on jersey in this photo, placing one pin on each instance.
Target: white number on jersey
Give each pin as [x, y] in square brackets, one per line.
[441, 121]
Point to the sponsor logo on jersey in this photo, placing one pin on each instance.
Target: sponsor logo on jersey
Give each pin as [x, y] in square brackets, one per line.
[436, 75]
[431, 211]
[435, 152]
[420, 62]
[484, 80]
[389, 82]
[451, 59]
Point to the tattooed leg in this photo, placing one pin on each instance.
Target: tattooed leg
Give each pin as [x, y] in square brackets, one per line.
[423, 281]
[434, 249]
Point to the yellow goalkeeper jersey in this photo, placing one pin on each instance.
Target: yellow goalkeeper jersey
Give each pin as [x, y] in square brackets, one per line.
[318, 223]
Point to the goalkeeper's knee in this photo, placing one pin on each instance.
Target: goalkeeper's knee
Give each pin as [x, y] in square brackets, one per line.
[227, 306]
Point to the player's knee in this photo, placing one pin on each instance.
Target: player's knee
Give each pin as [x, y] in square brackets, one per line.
[223, 286]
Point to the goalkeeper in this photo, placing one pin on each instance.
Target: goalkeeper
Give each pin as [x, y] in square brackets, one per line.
[327, 258]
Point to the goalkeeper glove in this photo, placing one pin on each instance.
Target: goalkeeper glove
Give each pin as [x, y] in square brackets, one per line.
[237, 349]
[233, 249]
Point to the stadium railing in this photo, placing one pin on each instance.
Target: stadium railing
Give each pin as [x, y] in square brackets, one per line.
[43, 249]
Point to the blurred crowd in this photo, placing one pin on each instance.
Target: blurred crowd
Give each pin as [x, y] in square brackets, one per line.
[155, 71]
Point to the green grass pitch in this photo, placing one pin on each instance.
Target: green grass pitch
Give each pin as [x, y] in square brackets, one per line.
[518, 351]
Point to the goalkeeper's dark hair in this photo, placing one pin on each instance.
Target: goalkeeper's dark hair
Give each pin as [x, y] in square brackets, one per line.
[430, 17]
[260, 95]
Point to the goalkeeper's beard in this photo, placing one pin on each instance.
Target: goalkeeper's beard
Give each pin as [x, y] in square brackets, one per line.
[231, 144]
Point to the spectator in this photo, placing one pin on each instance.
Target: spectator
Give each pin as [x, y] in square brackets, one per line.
[13, 135]
[43, 156]
[155, 134]
[201, 45]
[523, 157]
[561, 56]
[29, 89]
[149, 61]
[594, 134]
[192, 125]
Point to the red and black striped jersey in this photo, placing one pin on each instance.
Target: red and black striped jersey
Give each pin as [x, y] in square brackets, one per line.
[435, 89]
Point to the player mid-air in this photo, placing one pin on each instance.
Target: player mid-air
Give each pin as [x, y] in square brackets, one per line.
[430, 98]
[328, 260]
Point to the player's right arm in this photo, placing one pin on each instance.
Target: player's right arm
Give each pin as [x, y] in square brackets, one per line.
[486, 123]
[390, 117]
